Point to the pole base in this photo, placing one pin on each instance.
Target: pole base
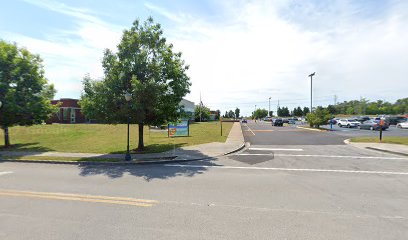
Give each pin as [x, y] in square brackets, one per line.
[128, 157]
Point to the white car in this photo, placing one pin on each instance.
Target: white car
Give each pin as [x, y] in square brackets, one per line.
[402, 125]
[348, 123]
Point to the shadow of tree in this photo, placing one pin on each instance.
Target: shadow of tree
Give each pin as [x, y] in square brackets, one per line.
[150, 171]
[154, 148]
[33, 147]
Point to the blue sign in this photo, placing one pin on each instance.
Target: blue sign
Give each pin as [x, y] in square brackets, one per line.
[180, 129]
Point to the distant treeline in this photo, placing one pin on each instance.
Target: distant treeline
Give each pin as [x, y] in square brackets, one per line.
[359, 107]
[365, 107]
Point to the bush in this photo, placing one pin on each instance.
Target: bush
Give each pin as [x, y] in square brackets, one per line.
[320, 117]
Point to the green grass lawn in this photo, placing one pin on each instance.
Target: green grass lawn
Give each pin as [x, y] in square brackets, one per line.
[396, 140]
[101, 138]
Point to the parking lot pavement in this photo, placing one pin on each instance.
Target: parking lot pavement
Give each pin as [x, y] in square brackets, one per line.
[289, 147]
[263, 133]
[356, 132]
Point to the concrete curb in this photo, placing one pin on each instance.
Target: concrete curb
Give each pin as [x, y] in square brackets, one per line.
[133, 162]
[311, 129]
[348, 142]
[242, 146]
[387, 151]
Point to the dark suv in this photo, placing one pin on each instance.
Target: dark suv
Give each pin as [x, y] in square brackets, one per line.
[277, 122]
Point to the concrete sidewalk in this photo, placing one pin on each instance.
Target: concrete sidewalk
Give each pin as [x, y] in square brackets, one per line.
[398, 149]
[234, 142]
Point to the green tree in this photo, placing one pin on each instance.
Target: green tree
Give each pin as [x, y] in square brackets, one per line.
[237, 111]
[331, 109]
[201, 113]
[231, 114]
[319, 117]
[299, 112]
[146, 66]
[279, 112]
[24, 91]
[284, 112]
[350, 111]
[218, 115]
[306, 110]
[260, 113]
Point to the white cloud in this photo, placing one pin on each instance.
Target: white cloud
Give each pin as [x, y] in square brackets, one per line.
[264, 48]
[252, 50]
[69, 54]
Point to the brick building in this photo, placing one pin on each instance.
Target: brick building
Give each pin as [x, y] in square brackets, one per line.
[69, 112]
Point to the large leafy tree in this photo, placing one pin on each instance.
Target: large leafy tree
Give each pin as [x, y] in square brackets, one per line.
[260, 113]
[146, 66]
[237, 111]
[24, 91]
[201, 113]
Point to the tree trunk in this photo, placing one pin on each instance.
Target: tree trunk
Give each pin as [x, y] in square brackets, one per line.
[6, 137]
[140, 146]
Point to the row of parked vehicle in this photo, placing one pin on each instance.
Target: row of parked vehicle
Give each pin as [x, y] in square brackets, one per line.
[371, 123]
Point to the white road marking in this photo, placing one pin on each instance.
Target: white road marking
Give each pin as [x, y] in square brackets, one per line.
[276, 149]
[4, 173]
[289, 169]
[326, 156]
[254, 154]
[250, 129]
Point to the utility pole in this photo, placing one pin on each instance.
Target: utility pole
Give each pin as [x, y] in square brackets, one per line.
[277, 109]
[335, 100]
[269, 113]
[311, 91]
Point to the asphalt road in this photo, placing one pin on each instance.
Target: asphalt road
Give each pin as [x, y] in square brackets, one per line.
[267, 191]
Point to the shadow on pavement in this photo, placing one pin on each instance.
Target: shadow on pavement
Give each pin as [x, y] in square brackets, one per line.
[147, 171]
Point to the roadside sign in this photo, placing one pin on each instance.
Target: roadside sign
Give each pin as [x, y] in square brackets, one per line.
[179, 129]
[381, 127]
[221, 124]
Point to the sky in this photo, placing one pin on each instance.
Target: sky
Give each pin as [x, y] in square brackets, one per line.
[241, 53]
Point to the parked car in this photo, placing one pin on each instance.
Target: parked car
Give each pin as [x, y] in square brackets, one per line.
[363, 119]
[285, 120]
[291, 121]
[348, 123]
[277, 122]
[244, 121]
[402, 125]
[373, 125]
[392, 120]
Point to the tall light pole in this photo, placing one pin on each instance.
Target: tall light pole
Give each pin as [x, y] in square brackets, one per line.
[128, 97]
[269, 113]
[311, 90]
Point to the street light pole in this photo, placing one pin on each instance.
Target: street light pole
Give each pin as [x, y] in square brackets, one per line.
[311, 90]
[269, 113]
[128, 97]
